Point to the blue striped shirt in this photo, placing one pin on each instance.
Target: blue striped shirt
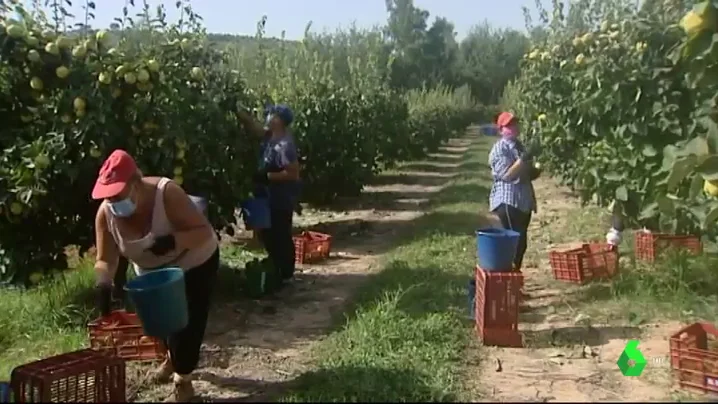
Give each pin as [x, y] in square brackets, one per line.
[518, 193]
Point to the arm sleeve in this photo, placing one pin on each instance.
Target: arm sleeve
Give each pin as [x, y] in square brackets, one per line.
[501, 160]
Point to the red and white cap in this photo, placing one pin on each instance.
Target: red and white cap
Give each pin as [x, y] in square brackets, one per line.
[114, 174]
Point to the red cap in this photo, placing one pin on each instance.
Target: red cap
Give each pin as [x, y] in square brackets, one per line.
[505, 119]
[115, 172]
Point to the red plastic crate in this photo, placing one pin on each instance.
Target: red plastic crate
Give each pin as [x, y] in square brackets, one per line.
[586, 263]
[694, 357]
[497, 307]
[311, 246]
[120, 334]
[648, 246]
[85, 376]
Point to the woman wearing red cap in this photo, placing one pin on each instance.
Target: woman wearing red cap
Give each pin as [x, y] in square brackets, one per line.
[153, 223]
[512, 196]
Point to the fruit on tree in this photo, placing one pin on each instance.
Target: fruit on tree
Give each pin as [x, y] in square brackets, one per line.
[178, 179]
[62, 72]
[79, 51]
[33, 56]
[79, 103]
[66, 118]
[15, 31]
[95, 152]
[80, 113]
[580, 58]
[63, 42]
[693, 23]
[36, 84]
[116, 93]
[16, 208]
[196, 73]
[32, 41]
[130, 78]
[42, 161]
[105, 78]
[177, 171]
[153, 65]
[711, 188]
[143, 76]
[121, 70]
[52, 49]
[541, 117]
[102, 36]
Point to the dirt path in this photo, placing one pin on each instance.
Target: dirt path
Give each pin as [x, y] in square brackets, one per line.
[253, 348]
[568, 355]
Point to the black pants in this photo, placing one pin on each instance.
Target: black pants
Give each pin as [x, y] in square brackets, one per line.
[278, 242]
[184, 345]
[518, 221]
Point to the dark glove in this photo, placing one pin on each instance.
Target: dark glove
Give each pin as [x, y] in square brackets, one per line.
[260, 177]
[534, 173]
[103, 296]
[532, 149]
[163, 245]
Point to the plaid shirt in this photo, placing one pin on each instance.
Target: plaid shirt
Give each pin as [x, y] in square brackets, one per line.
[518, 193]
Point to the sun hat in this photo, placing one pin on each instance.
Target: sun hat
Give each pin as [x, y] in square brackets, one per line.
[114, 174]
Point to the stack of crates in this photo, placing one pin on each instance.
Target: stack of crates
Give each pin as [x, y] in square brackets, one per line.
[497, 289]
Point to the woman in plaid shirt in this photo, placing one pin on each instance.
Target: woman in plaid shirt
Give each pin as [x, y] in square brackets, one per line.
[512, 196]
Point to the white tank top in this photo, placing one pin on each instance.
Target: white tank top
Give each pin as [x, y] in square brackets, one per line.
[136, 250]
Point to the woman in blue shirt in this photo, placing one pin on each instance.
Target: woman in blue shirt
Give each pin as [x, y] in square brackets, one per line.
[278, 179]
[512, 197]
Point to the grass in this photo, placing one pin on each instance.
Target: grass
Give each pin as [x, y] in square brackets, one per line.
[405, 337]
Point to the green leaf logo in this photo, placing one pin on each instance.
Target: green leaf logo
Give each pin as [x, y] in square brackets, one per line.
[631, 362]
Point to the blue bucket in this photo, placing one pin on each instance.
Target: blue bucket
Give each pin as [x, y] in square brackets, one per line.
[496, 249]
[5, 392]
[471, 294]
[255, 213]
[160, 301]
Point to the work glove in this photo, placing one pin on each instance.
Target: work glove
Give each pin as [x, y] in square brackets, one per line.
[260, 177]
[617, 222]
[163, 244]
[532, 149]
[534, 173]
[103, 296]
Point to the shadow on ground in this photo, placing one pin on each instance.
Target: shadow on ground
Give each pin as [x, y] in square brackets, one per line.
[572, 336]
[342, 383]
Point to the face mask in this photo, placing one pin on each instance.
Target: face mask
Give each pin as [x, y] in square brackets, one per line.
[509, 131]
[123, 208]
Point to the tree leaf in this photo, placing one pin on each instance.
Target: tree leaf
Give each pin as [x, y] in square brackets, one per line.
[708, 169]
[696, 186]
[711, 217]
[622, 193]
[680, 170]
